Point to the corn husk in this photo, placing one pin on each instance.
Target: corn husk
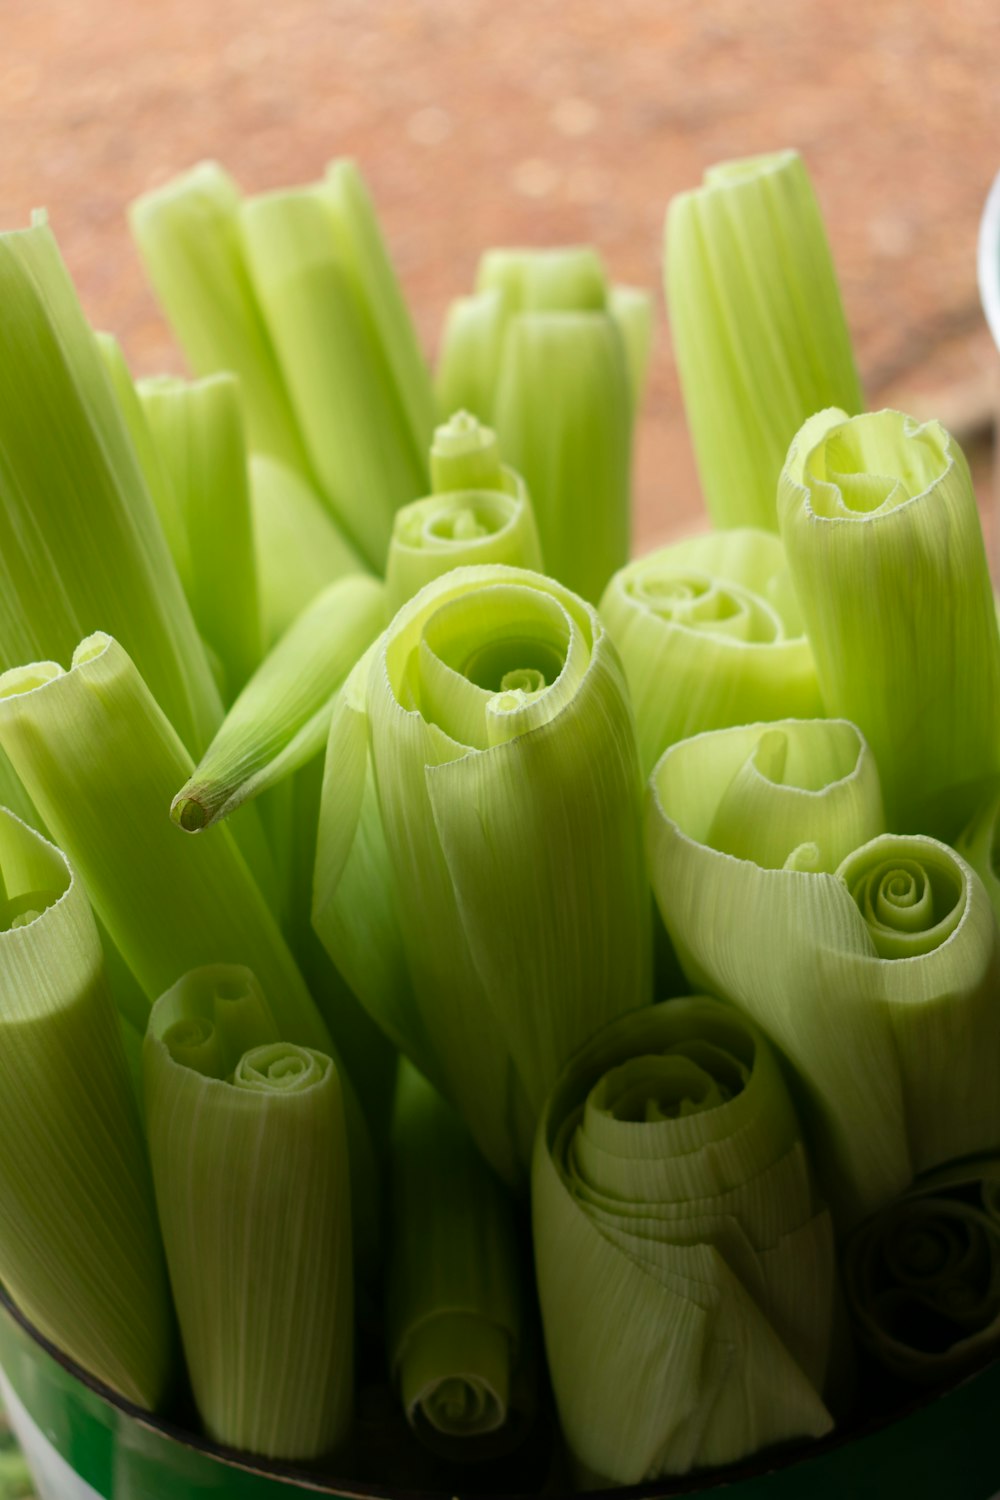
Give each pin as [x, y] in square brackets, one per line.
[885, 548]
[479, 513]
[299, 548]
[574, 448]
[154, 470]
[506, 780]
[865, 957]
[79, 1246]
[710, 635]
[336, 369]
[101, 764]
[686, 1269]
[282, 717]
[198, 429]
[249, 1152]
[757, 324]
[923, 1276]
[454, 1313]
[81, 545]
[188, 235]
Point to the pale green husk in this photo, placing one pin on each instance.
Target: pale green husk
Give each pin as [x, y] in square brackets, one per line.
[979, 845]
[198, 430]
[81, 545]
[299, 547]
[923, 1276]
[632, 310]
[101, 764]
[507, 849]
[758, 328]
[79, 1247]
[282, 717]
[686, 1269]
[249, 1153]
[866, 958]
[338, 372]
[479, 513]
[710, 635]
[454, 1314]
[885, 549]
[564, 420]
[188, 235]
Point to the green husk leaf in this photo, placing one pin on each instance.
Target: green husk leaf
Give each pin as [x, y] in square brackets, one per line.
[885, 548]
[454, 1305]
[249, 1152]
[282, 717]
[865, 967]
[360, 239]
[564, 420]
[79, 1245]
[923, 1276]
[198, 430]
[469, 359]
[158, 480]
[299, 547]
[81, 546]
[563, 278]
[710, 635]
[479, 513]
[686, 1271]
[188, 235]
[101, 763]
[336, 371]
[758, 328]
[632, 310]
[504, 759]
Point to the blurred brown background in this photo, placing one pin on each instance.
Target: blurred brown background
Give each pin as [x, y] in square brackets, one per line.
[490, 121]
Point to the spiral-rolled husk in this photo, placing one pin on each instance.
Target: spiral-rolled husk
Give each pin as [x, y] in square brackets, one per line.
[685, 1267]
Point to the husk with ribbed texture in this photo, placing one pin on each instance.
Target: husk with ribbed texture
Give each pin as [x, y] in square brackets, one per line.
[885, 549]
[496, 827]
[866, 957]
[188, 235]
[979, 845]
[101, 764]
[338, 373]
[632, 309]
[299, 548]
[454, 1305]
[198, 430]
[80, 1249]
[249, 1153]
[282, 717]
[922, 1277]
[564, 419]
[710, 635]
[757, 326]
[686, 1268]
[81, 545]
[480, 512]
[158, 480]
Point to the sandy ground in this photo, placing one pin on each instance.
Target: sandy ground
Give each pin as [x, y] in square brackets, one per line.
[480, 123]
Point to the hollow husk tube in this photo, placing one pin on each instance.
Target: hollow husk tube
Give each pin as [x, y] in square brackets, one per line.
[885, 549]
[686, 1268]
[709, 634]
[454, 1309]
[249, 1153]
[80, 1249]
[922, 1277]
[865, 957]
[480, 512]
[505, 779]
[754, 307]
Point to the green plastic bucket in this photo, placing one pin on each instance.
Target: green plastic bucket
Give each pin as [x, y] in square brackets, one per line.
[83, 1443]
